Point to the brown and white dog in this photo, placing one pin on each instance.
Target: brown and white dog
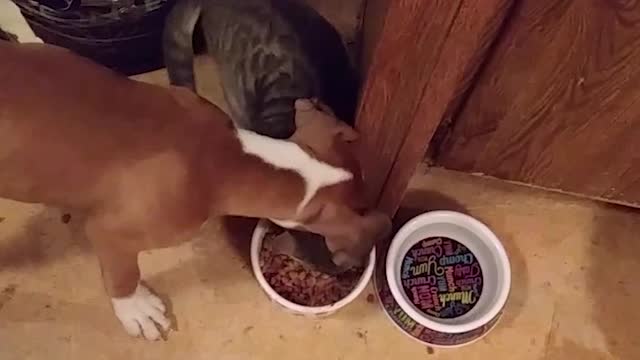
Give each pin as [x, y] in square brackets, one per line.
[150, 164]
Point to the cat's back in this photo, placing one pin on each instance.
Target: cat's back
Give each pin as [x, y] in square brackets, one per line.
[286, 36]
[240, 27]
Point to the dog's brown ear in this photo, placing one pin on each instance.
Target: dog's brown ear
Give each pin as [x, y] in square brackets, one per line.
[310, 110]
[305, 112]
[346, 132]
[322, 106]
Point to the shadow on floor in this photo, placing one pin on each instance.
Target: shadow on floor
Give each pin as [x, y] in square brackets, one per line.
[229, 237]
[45, 238]
[417, 202]
[238, 233]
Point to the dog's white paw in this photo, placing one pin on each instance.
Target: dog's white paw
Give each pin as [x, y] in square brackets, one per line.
[140, 312]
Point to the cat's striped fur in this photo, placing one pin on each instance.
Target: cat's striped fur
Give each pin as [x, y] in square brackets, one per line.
[269, 52]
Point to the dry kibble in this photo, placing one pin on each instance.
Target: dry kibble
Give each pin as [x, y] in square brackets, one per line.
[371, 298]
[291, 279]
[66, 218]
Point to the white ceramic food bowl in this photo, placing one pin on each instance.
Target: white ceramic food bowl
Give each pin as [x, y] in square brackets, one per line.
[311, 311]
[481, 241]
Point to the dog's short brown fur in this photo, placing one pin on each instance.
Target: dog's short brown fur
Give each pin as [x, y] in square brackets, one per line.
[150, 164]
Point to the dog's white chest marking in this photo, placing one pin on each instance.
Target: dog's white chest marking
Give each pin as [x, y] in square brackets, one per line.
[288, 155]
[140, 312]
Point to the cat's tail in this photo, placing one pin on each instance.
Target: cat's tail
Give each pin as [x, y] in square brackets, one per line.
[178, 42]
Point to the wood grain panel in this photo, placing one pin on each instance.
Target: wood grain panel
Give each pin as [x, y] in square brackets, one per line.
[426, 53]
[374, 16]
[558, 103]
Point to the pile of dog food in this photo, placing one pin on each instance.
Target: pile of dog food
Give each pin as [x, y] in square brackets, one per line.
[294, 280]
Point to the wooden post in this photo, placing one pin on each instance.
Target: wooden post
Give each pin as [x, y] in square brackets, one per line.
[425, 59]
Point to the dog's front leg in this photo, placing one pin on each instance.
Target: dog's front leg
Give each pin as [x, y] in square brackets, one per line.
[135, 306]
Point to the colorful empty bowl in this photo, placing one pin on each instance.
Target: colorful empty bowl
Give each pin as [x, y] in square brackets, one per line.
[445, 279]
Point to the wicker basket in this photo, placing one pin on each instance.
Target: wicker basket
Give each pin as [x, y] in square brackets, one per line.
[125, 35]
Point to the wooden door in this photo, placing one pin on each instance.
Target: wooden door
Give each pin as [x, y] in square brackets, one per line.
[424, 56]
[558, 104]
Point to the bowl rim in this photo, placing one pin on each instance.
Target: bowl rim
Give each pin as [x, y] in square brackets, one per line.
[256, 245]
[483, 233]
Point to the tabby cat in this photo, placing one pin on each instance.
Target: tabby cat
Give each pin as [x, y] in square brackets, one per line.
[269, 53]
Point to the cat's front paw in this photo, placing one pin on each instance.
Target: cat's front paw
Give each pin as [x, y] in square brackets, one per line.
[140, 312]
